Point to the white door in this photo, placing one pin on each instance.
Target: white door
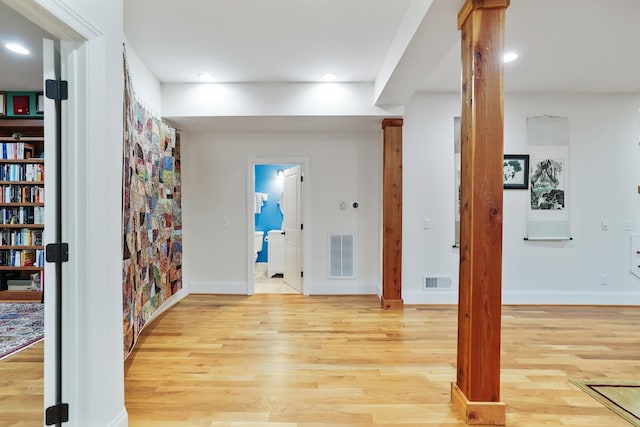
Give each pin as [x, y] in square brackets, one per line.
[51, 71]
[292, 194]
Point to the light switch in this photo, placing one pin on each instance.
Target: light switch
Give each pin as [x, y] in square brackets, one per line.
[604, 225]
[426, 224]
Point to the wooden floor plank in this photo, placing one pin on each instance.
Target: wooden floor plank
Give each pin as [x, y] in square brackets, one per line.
[288, 360]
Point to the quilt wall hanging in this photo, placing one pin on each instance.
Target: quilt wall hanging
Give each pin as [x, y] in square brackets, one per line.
[151, 215]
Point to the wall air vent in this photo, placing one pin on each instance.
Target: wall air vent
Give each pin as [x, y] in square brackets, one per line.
[436, 282]
[342, 256]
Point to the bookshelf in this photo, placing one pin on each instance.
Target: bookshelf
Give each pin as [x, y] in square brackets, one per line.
[21, 209]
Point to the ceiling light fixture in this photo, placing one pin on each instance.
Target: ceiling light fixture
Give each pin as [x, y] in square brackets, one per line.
[15, 47]
[509, 56]
[329, 77]
[205, 77]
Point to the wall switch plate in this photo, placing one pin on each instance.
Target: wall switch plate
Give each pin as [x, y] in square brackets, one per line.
[627, 225]
[604, 225]
[426, 224]
[342, 205]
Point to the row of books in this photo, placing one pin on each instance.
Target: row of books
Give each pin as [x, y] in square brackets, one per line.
[22, 258]
[22, 194]
[22, 172]
[16, 150]
[21, 237]
[22, 215]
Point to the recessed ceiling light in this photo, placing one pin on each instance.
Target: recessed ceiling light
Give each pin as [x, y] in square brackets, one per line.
[205, 77]
[14, 47]
[329, 77]
[509, 56]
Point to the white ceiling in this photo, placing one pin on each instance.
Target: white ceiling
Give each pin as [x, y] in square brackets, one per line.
[564, 45]
[20, 72]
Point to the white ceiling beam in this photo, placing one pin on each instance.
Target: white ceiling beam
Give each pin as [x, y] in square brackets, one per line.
[427, 32]
[272, 100]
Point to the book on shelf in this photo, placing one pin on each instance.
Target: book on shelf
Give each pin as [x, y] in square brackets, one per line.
[28, 258]
[19, 284]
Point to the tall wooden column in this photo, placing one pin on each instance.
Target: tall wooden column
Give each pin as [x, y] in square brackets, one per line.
[477, 388]
[392, 214]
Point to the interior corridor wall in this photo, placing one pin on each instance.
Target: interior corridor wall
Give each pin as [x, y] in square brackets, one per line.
[604, 175]
[342, 166]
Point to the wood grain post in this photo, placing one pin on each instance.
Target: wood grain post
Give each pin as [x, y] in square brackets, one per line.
[392, 214]
[477, 389]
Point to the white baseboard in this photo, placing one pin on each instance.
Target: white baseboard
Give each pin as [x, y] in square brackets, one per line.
[525, 297]
[342, 289]
[238, 288]
[121, 420]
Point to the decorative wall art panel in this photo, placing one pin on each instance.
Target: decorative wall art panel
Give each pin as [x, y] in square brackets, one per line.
[151, 213]
[547, 184]
[549, 209]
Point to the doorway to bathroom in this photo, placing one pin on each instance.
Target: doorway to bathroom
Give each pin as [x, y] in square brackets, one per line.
[277, 200]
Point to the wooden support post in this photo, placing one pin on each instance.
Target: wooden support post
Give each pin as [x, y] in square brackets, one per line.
[477, 388]
[392, 214]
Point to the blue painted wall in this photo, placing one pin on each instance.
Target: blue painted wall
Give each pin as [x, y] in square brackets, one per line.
[270, 218]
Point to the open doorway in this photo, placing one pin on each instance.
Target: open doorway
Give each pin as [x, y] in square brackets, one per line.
[277, 227]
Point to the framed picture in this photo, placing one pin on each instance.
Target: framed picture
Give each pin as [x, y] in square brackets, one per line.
[516, 171]
[40, 103]
[20, 105]
[3, 103]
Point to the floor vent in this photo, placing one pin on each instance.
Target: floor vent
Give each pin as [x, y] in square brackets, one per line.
[437, 282]
[342, 256]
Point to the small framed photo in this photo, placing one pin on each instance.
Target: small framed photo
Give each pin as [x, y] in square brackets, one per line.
[40, 103]
[516, 171]
[3, 103]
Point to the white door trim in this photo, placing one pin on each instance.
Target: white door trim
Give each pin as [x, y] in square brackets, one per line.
[306, 216]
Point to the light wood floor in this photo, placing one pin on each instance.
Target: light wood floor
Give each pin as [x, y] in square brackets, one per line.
[22, 388]
[290, 360]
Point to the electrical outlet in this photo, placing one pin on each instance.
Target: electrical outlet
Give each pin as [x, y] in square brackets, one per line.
[426, 224]
[604, 225]
[603, 279]
[627, 225]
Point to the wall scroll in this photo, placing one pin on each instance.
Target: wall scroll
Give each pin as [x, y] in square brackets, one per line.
[548, 214]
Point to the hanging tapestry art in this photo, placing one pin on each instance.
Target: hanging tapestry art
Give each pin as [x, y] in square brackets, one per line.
[151, 214]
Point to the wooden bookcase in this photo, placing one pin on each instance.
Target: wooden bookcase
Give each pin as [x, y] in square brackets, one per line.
[21, 208]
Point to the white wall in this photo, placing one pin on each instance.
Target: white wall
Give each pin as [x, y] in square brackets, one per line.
[342, 166]
[605, 172]
[145, 85]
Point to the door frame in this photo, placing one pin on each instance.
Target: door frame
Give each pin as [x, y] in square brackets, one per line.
[306, 215]
[92, 333]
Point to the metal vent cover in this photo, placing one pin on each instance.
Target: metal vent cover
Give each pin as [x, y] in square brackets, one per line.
[436, 282]
[342, 256]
